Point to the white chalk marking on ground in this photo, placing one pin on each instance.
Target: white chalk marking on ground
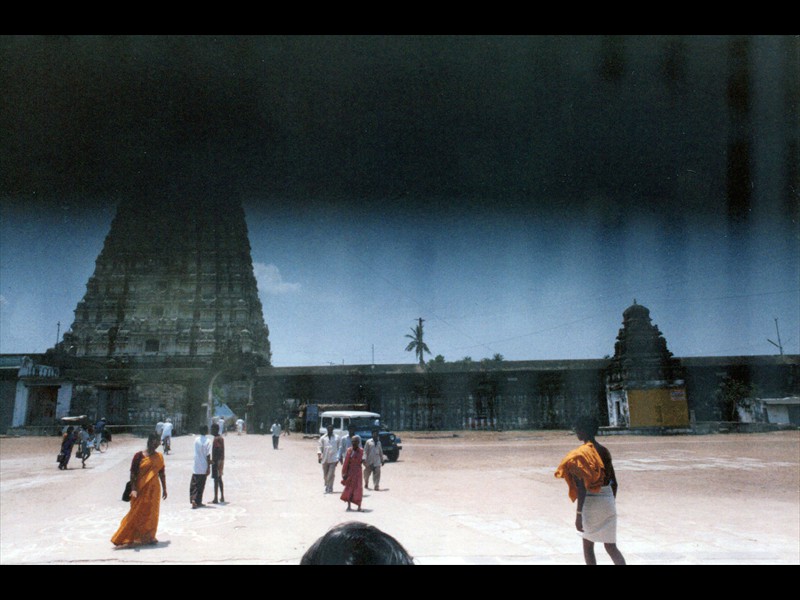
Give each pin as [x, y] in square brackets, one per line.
[680, 464]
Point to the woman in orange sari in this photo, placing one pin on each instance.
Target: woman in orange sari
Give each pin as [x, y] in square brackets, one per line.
[139, 525]
[351, 474]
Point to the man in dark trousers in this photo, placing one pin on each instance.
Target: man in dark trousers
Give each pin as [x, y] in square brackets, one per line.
[217, 464]
[201, 467]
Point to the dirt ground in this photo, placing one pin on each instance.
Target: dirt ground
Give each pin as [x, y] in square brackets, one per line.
[452, 498]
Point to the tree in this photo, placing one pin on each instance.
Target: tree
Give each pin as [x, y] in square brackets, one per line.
[417, 344]
[437, 360]
[731, 394]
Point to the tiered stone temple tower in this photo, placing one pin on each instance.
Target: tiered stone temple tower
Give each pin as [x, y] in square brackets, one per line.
[173, 280]
[644, 383]
[171, 324]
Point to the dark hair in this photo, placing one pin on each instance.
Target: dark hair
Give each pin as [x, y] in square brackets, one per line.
[153, 437]
[587, 425]
[356, 543]
[215, 429]
[203, 429]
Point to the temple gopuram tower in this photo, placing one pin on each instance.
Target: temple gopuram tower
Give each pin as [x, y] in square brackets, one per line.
[171, 324]
[645, 385]
[173, 280]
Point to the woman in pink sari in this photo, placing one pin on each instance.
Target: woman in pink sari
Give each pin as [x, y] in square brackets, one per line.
[351, 474]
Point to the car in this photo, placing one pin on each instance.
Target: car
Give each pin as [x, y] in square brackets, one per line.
[363, 422]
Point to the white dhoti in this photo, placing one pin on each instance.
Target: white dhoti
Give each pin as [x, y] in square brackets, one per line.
[600, 516]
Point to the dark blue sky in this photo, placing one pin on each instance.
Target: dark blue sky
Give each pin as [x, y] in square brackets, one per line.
[516, 192]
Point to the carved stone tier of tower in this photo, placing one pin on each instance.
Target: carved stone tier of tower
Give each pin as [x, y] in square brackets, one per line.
[174, 279]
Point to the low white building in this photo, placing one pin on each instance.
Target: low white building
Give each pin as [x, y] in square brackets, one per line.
[782, 410]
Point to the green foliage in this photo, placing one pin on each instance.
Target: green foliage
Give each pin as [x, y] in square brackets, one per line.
[417, 344]
[436, 361]
[732, 393]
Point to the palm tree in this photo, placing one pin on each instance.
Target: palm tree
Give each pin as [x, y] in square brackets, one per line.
[416, 342]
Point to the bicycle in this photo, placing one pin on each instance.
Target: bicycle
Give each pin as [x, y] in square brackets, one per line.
[102, 445]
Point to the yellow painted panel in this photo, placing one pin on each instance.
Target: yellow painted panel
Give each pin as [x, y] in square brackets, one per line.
[666, 407]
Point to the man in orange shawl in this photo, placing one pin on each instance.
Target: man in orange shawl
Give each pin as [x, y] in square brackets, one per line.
[590, 476]
[140, 524]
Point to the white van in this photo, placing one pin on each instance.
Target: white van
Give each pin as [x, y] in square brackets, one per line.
[364, 423]
[342, 419]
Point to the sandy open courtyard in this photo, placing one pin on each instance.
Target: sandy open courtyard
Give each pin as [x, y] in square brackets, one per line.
[476, 498]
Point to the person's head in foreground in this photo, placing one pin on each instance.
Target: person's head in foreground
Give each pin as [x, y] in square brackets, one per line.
[356, 543]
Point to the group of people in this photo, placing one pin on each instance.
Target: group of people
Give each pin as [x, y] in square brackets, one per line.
[588, 471]
[87, 437]
[148, 482]
[348, 452]
[209, 459]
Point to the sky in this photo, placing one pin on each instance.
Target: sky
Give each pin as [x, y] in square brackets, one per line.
[517, 193]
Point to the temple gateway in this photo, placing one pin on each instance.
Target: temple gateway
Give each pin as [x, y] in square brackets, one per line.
[171, 326]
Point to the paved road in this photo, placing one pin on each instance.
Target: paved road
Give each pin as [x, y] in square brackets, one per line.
[479, 498]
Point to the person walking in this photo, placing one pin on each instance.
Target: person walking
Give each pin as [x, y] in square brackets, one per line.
[139, 526]
[328, 456]
[86, 436]
[201, 467]
[591, 479]
[275, 430]
[373, 461]
[351, 474]
[67, 443]
[345, 442]
[217, 464]
[166, 436]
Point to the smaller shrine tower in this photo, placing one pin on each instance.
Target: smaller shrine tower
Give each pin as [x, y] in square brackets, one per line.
[644, 382]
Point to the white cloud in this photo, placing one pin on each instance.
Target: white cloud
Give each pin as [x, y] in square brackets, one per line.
[270, 281]
[3, 300]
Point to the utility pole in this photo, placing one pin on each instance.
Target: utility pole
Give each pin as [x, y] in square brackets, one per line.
[58, 332]
[779, 346]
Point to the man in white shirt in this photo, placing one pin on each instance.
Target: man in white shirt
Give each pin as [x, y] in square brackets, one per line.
[276, 434]
[346, 442]
[239, 426]
[328, 456]
[166, 436]
[373, 460]
[201, 467]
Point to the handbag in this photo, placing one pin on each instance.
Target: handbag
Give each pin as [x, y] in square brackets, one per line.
[126, 495]
[60, 457]
[137, 459]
